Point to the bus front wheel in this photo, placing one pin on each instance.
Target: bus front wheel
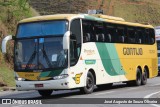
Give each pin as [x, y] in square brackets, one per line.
[89, 84]
[45, 93]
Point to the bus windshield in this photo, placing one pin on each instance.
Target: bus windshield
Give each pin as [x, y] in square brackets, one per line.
[42, 28]
[39, 46]
[40, 54]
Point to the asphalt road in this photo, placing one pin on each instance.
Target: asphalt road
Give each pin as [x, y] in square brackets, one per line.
[118, 90]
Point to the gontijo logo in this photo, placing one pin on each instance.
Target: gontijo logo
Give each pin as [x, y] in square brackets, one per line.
[132, 51]
[29, 75]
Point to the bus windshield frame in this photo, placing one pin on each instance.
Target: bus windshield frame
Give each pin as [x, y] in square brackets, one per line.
[41, 45]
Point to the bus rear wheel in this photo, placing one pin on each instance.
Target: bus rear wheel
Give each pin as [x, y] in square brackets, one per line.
[138, 80]
[45, 93]
[89, 84]
[144, 77]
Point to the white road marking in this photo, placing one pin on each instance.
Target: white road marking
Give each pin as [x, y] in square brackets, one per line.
[148, 96]
[104, 93]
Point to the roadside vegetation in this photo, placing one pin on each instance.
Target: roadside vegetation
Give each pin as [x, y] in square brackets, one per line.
[11, 11]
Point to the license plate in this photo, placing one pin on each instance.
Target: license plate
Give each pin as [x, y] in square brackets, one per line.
[38, 85]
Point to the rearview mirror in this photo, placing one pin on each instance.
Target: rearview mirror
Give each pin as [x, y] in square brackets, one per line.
[66, 40]
[4, 43]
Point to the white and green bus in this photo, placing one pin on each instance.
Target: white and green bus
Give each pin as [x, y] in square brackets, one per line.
[70, 51]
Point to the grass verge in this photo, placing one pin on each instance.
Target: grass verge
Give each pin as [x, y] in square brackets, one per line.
[7, 76]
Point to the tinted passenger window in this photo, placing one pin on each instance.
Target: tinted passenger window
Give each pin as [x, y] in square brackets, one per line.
[139, 36]
[75, 41]
[131, 35]
[152, 36]
[146, 36]
[76, 30]
[111, 33]
[99, 31]
[88, 31]
[121, 35]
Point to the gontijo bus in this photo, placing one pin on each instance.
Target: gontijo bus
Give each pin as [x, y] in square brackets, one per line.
[68, 51]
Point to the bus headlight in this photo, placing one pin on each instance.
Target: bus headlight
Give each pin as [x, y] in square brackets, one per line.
[19, 79]
[60, 76]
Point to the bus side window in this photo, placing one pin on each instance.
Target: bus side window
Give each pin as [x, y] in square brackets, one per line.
[108, 38]
[75, 41]
[99, 31]
[140, 36]
[146, 34]
[131, 35]
[151, 36]
[100, 37]
[87, 37]
[137, 39]
[111, 33]
[88, 34]
[107, 34]
[76, 30]
[120, 34]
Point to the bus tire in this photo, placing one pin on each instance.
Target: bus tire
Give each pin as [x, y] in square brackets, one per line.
[144, 77]
[89, 84]
[138, 80]
[45, 93]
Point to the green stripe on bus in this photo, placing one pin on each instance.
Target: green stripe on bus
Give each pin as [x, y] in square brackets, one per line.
[110, 59]
[55, 72]
[51, 73]
[45, 74]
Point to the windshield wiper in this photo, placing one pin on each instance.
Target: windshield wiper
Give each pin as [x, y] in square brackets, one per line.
[31, 58]
[46, 57]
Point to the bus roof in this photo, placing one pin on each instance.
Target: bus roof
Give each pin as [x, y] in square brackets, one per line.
[96, 17]
[48, 17]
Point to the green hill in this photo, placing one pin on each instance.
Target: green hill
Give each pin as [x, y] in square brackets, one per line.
[131, 10]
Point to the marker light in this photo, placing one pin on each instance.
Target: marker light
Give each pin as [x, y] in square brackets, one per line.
[60, 76]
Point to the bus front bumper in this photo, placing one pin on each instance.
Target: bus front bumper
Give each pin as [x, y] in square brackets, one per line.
[43, 85]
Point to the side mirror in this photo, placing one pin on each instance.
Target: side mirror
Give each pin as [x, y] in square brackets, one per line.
[4, 43]
[66, 40]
